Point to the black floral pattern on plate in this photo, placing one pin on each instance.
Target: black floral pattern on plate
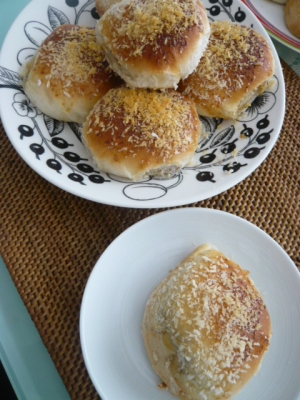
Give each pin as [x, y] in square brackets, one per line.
[224, 6]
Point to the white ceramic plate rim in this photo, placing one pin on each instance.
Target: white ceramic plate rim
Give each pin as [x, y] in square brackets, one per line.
[110, 314]
[180, 190]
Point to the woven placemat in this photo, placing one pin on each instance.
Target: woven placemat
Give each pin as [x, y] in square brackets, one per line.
[51, 240]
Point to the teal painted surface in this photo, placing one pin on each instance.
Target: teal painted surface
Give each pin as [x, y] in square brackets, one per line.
[9, 9]
[22, 352]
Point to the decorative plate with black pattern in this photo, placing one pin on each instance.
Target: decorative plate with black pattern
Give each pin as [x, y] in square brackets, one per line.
[231, 151]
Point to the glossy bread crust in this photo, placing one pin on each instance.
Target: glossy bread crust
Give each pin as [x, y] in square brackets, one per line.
[206, 327]
[154, 44]
[137, 133]
[68, 74]
[236, 67]
[292, 17]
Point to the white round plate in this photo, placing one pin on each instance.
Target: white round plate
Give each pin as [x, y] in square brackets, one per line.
[231, 151]
[140, 258]
[271, 15]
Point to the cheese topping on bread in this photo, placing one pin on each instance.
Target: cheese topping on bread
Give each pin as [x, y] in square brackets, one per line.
[236, 66]
[154, 43]
[76, 45]
[206, 327]
[157, 121]
[68, 74]
[154, 22]
[141, 130]
[71, 56]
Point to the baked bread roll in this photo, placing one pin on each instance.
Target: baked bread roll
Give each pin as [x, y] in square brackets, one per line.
[103, 5]
[68, 74]
[236, 67]
[280, 1]
[153, 43]
[292, 17]
[206, 327]
[136, 133]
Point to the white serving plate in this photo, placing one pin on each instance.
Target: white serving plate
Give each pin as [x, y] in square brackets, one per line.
[54, 149]
[140, 258]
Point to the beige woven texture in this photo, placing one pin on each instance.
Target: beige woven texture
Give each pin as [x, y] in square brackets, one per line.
[51, 240]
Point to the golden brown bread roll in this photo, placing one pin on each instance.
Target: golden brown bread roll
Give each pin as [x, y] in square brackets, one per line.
[206, 327]
[292, 17]
[103, 5]
[68, 74]
[136, 133]
[236, 67]
[280, 1]
[154, 43]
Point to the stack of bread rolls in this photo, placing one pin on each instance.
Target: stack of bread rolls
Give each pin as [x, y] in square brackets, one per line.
[163, 50]
[149, 128]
